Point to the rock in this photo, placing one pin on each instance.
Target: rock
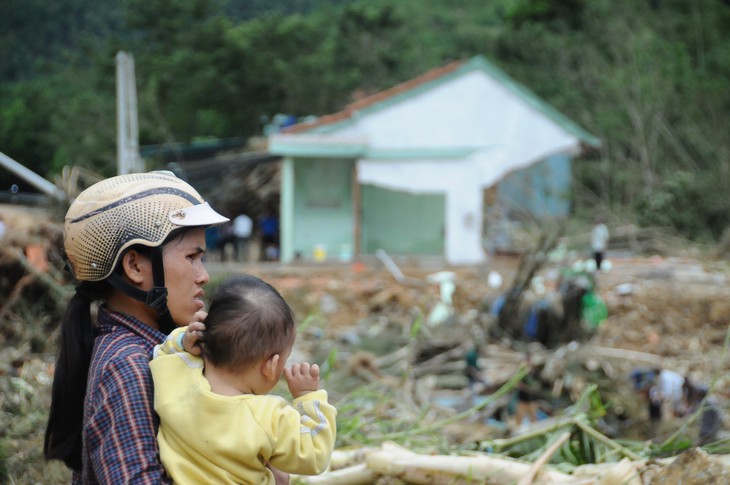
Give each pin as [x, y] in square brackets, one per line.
[693, 467]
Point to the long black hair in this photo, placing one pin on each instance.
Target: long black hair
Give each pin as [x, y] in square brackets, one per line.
[76, 342]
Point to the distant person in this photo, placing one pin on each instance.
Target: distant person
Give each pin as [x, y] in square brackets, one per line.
[269, 226]
[217, 423]
[655, 402]
[671, 386]
[599, 240]
[473, 371]
[211, 239]
[242, 228]
[710, 417]
[664, 391]
[226, 237]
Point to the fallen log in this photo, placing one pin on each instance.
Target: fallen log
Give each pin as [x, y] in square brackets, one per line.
[391, 460]
[594, 351]
[358, 474]
[401, 463]
[625, 472]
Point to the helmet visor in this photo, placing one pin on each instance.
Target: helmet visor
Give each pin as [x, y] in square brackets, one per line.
[196, 215]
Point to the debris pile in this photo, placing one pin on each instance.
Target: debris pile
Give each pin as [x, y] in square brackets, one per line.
[393, 342]
[393, 462]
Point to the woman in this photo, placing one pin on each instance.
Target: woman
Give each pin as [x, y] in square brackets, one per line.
[135, 242]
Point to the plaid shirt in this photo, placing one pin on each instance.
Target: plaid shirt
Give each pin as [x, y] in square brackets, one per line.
[120, 425]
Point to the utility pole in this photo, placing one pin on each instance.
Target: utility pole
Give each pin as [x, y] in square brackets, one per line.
[128, 159]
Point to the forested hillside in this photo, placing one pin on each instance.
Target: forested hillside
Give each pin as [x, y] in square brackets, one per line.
[651, 78]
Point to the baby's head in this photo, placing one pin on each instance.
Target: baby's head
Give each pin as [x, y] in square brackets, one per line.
[248, 322]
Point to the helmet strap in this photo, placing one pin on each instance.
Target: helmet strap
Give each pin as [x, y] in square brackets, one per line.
[155, 297]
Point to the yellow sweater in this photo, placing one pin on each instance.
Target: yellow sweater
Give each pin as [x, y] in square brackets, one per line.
[209, 438]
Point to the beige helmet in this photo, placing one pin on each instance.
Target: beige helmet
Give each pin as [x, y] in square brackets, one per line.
[126, 210]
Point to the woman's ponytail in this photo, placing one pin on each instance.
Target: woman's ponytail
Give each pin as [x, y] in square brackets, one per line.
[63, 433]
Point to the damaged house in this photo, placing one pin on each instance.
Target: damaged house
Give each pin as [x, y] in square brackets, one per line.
[412, 170]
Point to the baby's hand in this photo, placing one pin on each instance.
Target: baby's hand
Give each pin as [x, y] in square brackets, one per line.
[302, 379]
[194, 334]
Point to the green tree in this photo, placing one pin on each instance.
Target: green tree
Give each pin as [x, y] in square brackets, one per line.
[648, 77]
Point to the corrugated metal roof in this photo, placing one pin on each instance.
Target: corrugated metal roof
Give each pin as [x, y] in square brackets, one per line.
[373, 99]
[436, 77]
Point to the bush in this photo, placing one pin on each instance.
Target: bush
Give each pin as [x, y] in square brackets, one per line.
[686, 204]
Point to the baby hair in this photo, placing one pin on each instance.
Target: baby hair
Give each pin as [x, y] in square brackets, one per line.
[248, 322]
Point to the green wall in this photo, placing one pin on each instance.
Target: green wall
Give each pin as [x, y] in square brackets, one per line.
[322, 207]
[401, 223]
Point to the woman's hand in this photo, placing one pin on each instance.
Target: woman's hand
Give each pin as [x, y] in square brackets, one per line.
[194, 334]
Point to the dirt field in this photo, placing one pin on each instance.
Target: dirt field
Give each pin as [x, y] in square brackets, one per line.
[672, 307]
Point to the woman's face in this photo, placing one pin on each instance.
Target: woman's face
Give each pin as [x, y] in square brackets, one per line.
[185, 275]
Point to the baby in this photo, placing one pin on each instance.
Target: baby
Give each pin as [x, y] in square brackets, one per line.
[217, 423]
